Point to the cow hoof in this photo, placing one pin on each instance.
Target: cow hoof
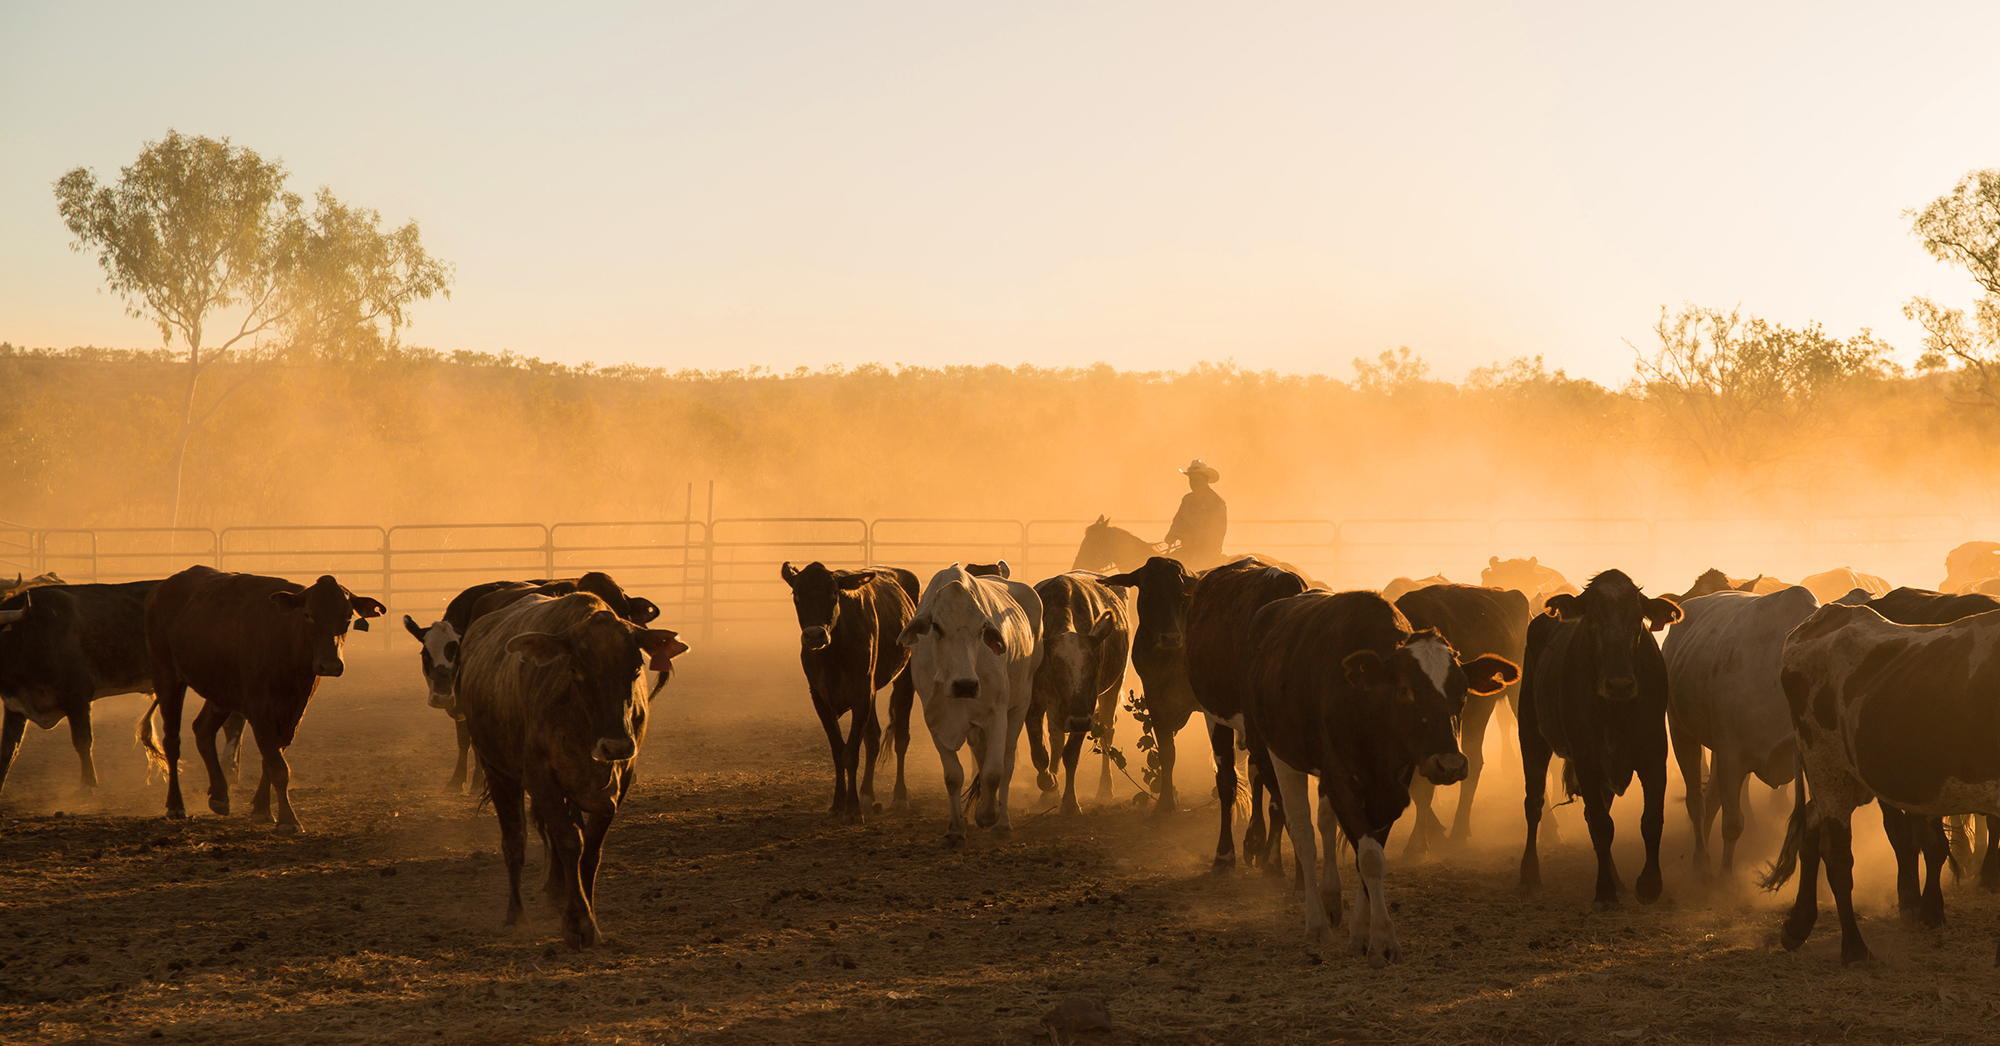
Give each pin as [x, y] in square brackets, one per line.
[1602, 905]
[875, 808]
[1791, 939]
[1379, 960]
[1859, 953]
[219, 807]
[455, 786]
[954, 840]
[1003, 832]
[288, 829]
[899, 806]
[1224, 864]
[174, 814]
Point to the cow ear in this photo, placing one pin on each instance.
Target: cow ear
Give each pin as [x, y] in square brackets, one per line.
[916, 629]
[994, 640]
[850, 582]
[1488, 674]
[644, 611]
[538, 648]
[661, 645]
[1533, 562]
[1126, 580]
[1363, 668]
[1004, 570]
[415, 629]
[1492, 561]
[288, 600]
[1564, 606]
[367, 606]
[1661, 612]
[788, 572]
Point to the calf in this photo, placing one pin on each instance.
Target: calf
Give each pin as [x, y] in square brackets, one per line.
[1594, 691]
[973, 658]
[554, 693]
[849, 621]
[1219, 643]
[1086, 637]
[1723, 695]
[1340, 688]
[1901, 714]
[63, 647]
[1159, 654]
[1474, 620]
[251, 645]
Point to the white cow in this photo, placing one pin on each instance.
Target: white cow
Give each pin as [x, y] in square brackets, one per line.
[1723, 694]
[973, 658]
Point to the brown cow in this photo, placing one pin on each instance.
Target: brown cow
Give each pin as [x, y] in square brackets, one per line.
[848, 624]
[252, 645]
[554, 693]
[1085, 641]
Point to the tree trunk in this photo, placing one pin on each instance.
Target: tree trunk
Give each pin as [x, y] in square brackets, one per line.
[181, 440]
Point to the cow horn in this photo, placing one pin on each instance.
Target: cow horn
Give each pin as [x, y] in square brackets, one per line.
[8, 617]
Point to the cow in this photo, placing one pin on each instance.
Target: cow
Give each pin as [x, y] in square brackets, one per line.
[555, 695]
[1397, 587]
[1159, 654]
[1475, 620]
[248, 644]
[1723, 695]
[1342, 689]
[63, 647]
[1085, 639]
[1900, 714]
[1828, 586]
[1219, 642]
[8, 588]
[973, 658]
[440, 641]
[849, 621]
[1969, 564]
[1712, 581]
[1594, 691]
[1528, 577]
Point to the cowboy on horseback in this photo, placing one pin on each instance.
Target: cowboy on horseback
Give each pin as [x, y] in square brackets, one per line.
[1195, 538]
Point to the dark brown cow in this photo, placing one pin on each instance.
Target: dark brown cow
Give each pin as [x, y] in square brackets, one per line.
[554, 693]
[1528, 577]
[1594, 691]
[848, 624]
[1398, 587]
[1086, 638]
[1159, 653]
[1712, 581]
[63, 647]
[1474, 620]
[1341, 689]
[1907, 715]
[248, 644]
[1219, 642]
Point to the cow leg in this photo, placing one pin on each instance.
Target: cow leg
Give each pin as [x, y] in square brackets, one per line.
[1107, 715]
[1730, 777]
[1688, 756]
[829, 721]
[1255, 831]
[902, 695]
[566, 839]
[1163, 742]
[1805, 908]
[1072, 752]
[12, 727]
[1292, 784]
[1989, 860]
[1535, 756]
[1597, 815]
[1472, 742]
[1038, 752]
[595, 827]
[277, 775]
[1379, 942]
[171, 694]
[1222, 739]
[1903, 833]
[232, 731]
[871, 743]
[996, 774]
[860, 720]
[954, 789]
[1652, 819]
[206, 723]
[457, 782]
[505, 795]
[1270, 849]
[79, 739]
[1836, 841]
[1936, 848]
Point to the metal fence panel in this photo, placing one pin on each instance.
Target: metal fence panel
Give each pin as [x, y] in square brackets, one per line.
[926, 546]
[1049, 546]
[17, 550]
[666, 560]
[428, 563]
[1374, 552]
[1579, 548]
[123, 553]
[357, 555]
[744, 583]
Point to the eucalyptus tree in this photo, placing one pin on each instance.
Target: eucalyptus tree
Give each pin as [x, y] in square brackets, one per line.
[1962, 228]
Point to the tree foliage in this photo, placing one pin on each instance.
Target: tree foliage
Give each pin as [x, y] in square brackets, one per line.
[197, 232]
[1962, 228]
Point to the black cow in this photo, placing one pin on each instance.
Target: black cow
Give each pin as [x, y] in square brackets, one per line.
[62, 647]
[1341, 689]
[849, 621]
[1159, 653]
[249, 644]
[1475, 620]
[1907, 715]
[1594, 691]
[1085, 640]
[1219, 644]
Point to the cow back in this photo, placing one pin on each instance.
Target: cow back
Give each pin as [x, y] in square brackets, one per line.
[1723, 660]
[1921, 606]
[74, 643]
[222, 635]
[1219, 643]
[1474, 619]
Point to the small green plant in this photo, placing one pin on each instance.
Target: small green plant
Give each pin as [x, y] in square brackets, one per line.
[1135, 706]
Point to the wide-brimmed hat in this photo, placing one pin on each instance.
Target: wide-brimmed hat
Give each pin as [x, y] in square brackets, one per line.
[1197, 468]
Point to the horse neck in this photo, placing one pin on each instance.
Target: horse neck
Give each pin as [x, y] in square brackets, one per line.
[1129, 549]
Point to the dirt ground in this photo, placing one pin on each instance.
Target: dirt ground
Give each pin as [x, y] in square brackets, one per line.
[735, 913]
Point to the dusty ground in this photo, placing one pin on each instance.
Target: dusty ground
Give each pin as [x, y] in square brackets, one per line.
[736, 913]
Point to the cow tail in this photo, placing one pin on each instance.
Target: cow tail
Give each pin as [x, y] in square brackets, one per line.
[150, 737]
[1795, 829]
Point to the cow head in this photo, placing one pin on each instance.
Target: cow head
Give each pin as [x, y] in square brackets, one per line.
[1066, 680]
[816, 599]
[636, 609]
[962, 640]
[324, 611]
[1165, 591]
[1424, 685]
[604, 655]
[1615, 617]
[440, 658]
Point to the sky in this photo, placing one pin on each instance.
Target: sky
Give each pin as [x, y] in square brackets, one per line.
[1288, 186]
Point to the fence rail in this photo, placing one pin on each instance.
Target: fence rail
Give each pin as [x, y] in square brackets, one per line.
[724, 572]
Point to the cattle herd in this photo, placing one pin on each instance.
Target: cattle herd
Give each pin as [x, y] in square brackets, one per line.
[1840, 687]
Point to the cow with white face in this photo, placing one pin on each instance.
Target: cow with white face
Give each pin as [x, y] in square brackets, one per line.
[973, 658]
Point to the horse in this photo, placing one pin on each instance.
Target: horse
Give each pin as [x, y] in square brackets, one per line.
[1105, 546]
